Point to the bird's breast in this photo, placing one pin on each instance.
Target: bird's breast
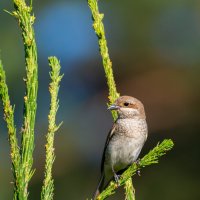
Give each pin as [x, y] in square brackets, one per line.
[131, 127]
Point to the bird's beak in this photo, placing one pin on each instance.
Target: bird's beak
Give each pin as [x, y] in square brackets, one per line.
[113, 107]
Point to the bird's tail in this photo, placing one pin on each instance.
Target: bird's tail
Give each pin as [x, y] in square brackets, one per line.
[99, 187]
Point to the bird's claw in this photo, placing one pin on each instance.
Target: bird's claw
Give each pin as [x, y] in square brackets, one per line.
[137, 162]
[138, 172]
[117, 177]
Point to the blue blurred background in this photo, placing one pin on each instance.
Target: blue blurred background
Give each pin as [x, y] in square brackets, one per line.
[155, 49]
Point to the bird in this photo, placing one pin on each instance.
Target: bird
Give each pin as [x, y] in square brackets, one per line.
[124, 141]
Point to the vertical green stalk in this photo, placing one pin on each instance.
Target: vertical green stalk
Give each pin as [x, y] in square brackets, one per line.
[23, 15]
[48, 183]
[107, 64]
[9, 118]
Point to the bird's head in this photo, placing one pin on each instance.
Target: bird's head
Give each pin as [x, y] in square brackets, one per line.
[128, 107]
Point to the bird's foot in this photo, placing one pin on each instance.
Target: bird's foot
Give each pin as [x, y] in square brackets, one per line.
[116, 177]
[137, 162]
[138, 172]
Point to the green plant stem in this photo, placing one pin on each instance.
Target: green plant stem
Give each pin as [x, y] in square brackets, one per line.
[129, 190]
[23, 14]
[9, 118]
[107, 64]
[48, 183]
[148, 159]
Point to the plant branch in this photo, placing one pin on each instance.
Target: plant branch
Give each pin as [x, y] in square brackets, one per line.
[107, 64]
[129, 190]
[25, 19]
[149, 159]
[9, 118]
[48, 183]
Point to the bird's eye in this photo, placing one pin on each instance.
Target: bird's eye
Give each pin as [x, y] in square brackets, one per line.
[126, 104]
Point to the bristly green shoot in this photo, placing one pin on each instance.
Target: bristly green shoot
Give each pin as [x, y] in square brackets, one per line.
[48, 183]
[9, 119]
[25, 20]
[107, 64]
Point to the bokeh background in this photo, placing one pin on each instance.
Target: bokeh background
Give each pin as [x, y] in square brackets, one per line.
[155, 49]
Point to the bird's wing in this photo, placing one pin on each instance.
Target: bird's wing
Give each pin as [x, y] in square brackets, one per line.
[110, 134]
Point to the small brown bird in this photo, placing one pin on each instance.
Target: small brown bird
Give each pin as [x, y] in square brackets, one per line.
[124, 141]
